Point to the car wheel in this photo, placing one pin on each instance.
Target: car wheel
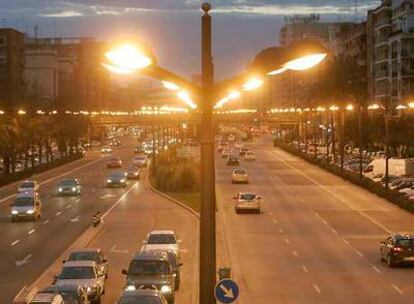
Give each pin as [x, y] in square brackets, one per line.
[97, 301]
[390, 262]
[177, 283]
[237, 211]
[382, 256]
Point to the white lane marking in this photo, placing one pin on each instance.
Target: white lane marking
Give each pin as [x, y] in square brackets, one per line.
[114, 250]
[337, 197]
[397, 289]
[345, 241]
[280, 230]
[287, 241]
[334, 230]
[275, 221]
[317, 288]
[77, 201]
[75, 219]
[325, 222]
[305, 269]
[15, 242]
[45, 222]
[376, 269]
[54, 178]
[31, 231]
[26, 260]
[58, 213]
[68, 206]
[119, 200]
[359, 253]
[295, 253]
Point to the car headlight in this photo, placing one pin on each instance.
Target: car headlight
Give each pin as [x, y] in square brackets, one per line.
[60, 189]
[73, 189]
[136, 173]
[109, 181]
[123, 180]
[90, 289]
[165, 288]
[30, 211]
[130, 287]
[14, 212]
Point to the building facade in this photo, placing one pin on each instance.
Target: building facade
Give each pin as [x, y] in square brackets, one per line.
[11, 68]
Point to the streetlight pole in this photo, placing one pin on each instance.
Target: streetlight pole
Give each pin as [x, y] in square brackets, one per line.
[208, 198]
[387, 122]
[360, 137]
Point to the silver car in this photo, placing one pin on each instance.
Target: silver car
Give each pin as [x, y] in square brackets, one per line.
[83, 273]
[91, 254]
[26, 206]
[164, 240]
[248, 202]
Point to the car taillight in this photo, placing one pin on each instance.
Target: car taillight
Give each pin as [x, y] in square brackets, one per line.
[397, 249]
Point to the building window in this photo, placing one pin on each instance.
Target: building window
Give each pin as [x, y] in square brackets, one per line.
[2, 40]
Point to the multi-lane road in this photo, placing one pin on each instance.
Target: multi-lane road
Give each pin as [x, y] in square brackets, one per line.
[317, 240]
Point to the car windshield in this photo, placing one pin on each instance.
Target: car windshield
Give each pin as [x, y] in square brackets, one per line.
[149, 267]
[117, 175]
[23, 201]
[132, 169]
[84, 256]
[141, 299]
[27, 185]
[161, 239]
[68, 182]
[247, 196]
[77, 272]
[114, 159]
[240, 171]
[409, 243]
[140, 158]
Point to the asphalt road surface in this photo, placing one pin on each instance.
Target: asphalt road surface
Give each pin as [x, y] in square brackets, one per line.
[317, 240]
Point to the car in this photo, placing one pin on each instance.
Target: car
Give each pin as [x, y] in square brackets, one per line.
[397, 249]
[133, 172]
[83, 273]
[106, 150]
[239, 176]
[231, 137]
[28, 186]
[151, 296]
[70, 293]
[249, 156]
[47, 298]
[139, 149]
[225, 153]
[116, 179]
[26, 206]
[148, 270]
[162, 240]
[140, 161]
[248, 202]
[233, 160]
[114, 162]
[91, 254]
[175, 264]
[243, 151]
[69, 186]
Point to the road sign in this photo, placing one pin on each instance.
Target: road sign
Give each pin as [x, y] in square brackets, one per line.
[226, 291]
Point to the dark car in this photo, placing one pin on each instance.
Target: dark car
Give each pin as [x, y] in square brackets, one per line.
[150, 269]
[116, 179]
[233, 161]
[114, 162]
[91, 254]
[71, 294]
[133, 172]
[69, 186]
[398, 249]
[144, 296]
[175, 264]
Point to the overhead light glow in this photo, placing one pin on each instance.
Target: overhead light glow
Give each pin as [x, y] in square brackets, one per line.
[277, 72]
[320, 109]
[252, 84]
[21, 112]
[127, 57]
[411, 105]
[170, 86]
[184, 96]
[401, 107]
[333, 108]
[373, 107]
[349, 107]
[305, 63]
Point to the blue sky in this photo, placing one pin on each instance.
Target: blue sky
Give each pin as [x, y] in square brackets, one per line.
[172, 27]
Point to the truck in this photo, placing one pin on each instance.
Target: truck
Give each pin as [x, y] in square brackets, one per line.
[396, 166]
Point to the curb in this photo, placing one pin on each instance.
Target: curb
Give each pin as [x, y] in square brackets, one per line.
[173, 200]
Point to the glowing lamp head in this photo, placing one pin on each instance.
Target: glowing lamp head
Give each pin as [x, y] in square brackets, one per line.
[252, 83]
[126, 59]
[411, 105]
[349, 107]
[170, 86]
[305, 63]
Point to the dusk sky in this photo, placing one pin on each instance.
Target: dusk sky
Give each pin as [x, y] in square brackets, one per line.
[172, 27]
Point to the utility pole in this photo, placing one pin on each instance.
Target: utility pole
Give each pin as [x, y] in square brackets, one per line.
[208, 198]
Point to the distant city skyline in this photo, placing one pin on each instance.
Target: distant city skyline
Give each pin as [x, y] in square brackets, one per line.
[172, 27]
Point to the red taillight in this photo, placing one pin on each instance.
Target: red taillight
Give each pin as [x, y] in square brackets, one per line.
[397, 249]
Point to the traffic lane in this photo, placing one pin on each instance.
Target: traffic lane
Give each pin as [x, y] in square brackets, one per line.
[127, 225]
[46, 242]
[93, 178]
[311, 233]
[360, 218]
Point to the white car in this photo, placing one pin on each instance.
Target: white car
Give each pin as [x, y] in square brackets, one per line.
[250, 156]
[106, 150]
[239, 176]
[28, 187]
[140, 161]
[162, 240]
[248, 202]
